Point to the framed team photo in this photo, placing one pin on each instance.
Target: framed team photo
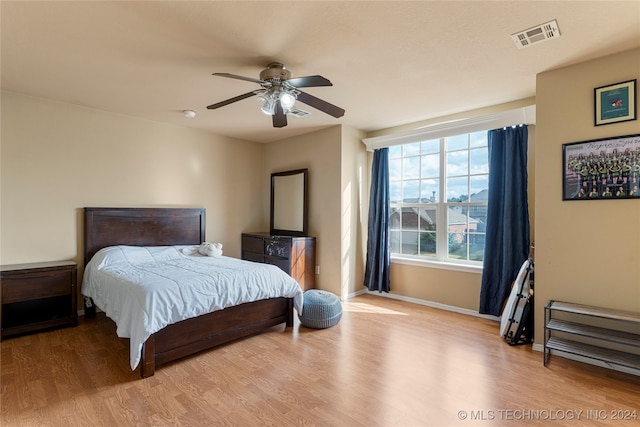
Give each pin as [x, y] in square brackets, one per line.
[615, 103]
[601, 169]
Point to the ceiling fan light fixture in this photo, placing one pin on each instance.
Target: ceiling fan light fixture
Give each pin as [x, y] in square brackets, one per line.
[287, 100]
[268, 105]
[279, 93]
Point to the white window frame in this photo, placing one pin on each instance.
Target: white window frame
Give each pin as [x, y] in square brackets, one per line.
[525, 115]
[441, 206]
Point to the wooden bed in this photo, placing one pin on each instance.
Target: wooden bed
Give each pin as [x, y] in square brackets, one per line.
[178, 226]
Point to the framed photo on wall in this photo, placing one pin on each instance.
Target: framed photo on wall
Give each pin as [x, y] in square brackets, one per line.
[601, 169]
[615, 103]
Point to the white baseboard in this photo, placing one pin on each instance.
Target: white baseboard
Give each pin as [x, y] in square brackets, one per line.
[355, 294]
[427, 303]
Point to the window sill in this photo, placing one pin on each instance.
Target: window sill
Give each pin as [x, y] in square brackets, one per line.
[467, 268]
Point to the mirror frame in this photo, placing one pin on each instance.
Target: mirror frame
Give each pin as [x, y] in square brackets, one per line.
[303, 197]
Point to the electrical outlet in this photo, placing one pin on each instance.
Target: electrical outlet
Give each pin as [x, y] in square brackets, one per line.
[317, 269]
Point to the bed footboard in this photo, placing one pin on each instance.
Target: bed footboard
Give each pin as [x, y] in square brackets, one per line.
[210, 330]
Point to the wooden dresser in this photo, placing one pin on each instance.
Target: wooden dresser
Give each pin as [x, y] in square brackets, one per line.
[37, 296]
[296, 256]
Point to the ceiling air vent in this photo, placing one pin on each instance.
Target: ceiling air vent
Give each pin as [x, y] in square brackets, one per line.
[299, 113]
[537, 34]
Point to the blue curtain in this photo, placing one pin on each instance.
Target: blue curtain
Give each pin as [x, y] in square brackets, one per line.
[376, 275]
[507, 238]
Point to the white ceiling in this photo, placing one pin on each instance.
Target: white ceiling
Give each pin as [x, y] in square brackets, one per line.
[390, 62]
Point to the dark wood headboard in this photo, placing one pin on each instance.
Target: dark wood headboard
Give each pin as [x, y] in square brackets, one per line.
[141, 227]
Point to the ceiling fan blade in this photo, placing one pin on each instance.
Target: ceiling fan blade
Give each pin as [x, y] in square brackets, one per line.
[234, 99]
[235, 76]
[309, 81]
[279, 118]
[321, 105]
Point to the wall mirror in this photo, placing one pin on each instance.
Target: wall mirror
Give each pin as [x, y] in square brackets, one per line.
[289, 207]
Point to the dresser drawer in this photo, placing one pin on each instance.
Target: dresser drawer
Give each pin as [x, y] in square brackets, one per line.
[278, 248]
[282, 263]
[33, 286]
[252, 244]
[295, 255]
[252, 256]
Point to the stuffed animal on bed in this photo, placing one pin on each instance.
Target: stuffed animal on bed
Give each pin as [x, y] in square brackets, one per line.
[210, 249]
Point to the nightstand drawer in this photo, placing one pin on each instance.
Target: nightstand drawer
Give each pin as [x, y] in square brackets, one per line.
[20, 287]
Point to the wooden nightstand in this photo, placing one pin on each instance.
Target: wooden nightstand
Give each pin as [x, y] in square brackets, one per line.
[37, 296]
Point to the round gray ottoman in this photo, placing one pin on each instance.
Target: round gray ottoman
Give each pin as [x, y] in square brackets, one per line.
[320, 309]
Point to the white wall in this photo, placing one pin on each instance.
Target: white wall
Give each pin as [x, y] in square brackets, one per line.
[58, 158]
[320, 153]
[586, 251]
[354, 210]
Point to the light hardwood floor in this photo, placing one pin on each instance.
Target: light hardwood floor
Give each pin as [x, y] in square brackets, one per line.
[387, 363]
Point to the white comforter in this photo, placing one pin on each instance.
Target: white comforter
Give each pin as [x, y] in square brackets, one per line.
[144, 289]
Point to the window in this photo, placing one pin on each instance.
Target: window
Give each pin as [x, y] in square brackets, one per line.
[438, 194]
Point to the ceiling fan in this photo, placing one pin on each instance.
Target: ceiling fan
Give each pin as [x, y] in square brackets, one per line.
[279, 93]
